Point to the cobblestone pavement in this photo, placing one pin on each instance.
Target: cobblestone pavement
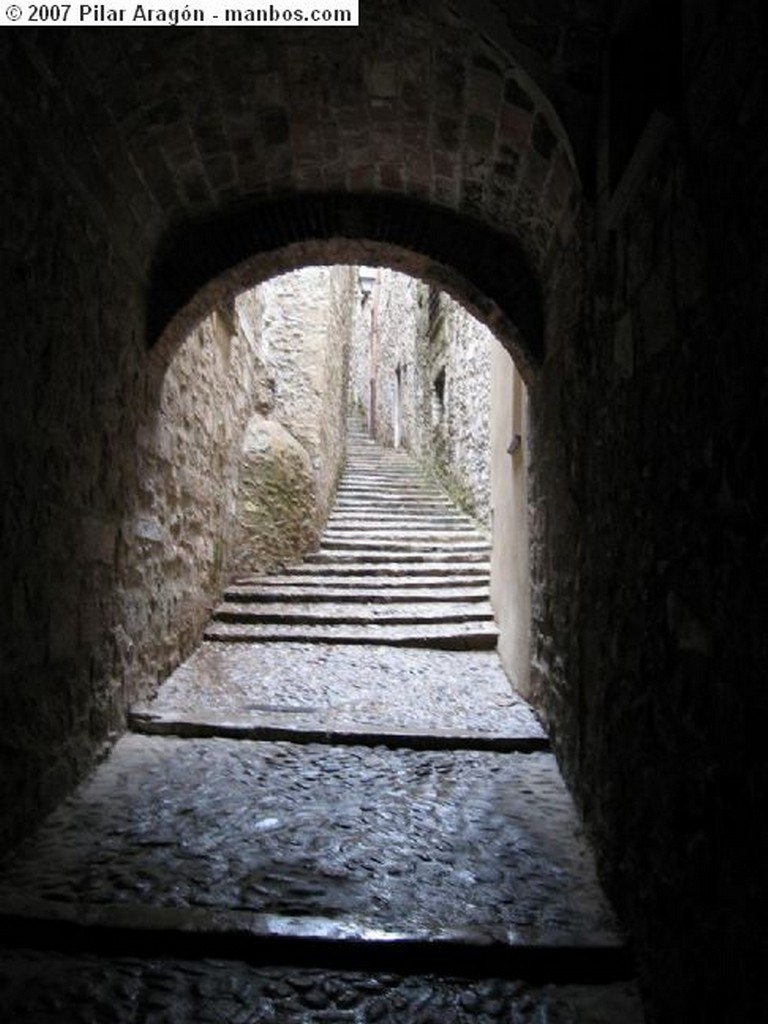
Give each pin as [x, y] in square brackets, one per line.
[404, 840]
[49, 988]
[344, 687]
[324, 865]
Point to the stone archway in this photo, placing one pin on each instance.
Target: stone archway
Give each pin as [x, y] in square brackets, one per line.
[204, 264]
[147, 139]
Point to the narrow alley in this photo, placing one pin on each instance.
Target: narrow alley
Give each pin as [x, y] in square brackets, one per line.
[588, 180]
[335, 810]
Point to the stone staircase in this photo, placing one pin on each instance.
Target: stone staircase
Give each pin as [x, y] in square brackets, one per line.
[398, 565]
[335, 811]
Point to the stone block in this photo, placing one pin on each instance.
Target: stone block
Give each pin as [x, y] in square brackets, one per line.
[276, 502]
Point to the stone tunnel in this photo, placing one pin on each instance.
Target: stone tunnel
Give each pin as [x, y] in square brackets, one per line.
[589, 179]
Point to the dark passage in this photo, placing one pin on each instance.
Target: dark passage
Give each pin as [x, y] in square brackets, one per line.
[339, 783]
[589, 178]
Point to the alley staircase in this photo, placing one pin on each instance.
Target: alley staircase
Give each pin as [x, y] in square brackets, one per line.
[336, 810]
[398, 565]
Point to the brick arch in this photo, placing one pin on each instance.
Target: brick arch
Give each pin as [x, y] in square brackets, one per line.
[198, 130]
[206, 263]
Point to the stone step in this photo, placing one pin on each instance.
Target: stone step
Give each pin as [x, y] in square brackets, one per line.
[398, 543]
[357, 594]
[449, 848]
[372, 472]
[391, 569]
[79, 984]
[245, 725]
[395, 509]
[392, 487]
[389, 498]
[377, 474]
[372, 468]
[363, 464]
[398, 526]
[382, 478]
[580, 982]
[296, 613]
[372, 557]
[392, 500]
[450, 637]
[336, 689]
[425, 536]
[362, 511]
[354, 483]
[329, 582]
[352, 520]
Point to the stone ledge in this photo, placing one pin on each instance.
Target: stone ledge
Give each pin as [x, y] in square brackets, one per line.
[145, 930]
[447, 638]
[367, 593]
[207, 724]
[300, 613]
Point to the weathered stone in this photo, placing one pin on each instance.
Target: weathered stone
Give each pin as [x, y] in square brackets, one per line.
[282, 817]
[37, 985]
[451, 435]
[276, 499]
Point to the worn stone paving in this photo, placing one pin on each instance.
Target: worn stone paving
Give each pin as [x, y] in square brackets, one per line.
[401, 840]
[211, 879]
[51, 988]
[360, 613]
[369, 687]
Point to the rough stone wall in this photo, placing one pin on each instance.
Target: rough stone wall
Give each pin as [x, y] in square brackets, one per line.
[359, 355]
[335, 407]
[394, 346]
[649, 546]
[386, 327]
[188, 465]
[456, 436]
[120, 473]
[116, 499]
[276, 498]
[305, 327]
[72, 367]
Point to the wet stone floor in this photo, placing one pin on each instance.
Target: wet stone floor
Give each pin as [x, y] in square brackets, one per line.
[393, 839]
[49, 988]
[331, 845]
[315, 832]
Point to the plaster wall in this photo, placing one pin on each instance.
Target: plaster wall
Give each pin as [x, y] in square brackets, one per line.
[510, 579]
